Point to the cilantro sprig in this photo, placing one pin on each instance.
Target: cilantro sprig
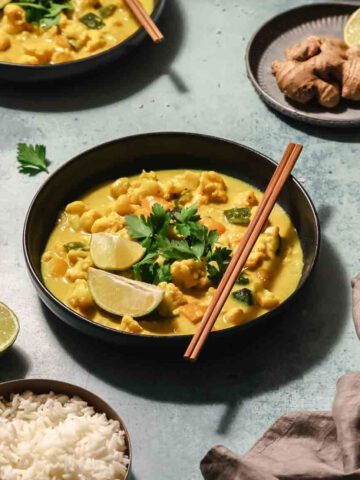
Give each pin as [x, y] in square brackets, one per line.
[44, 13]
[155, 234]
[32, 159]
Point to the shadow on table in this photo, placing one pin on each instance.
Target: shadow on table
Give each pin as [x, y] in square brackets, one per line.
[13, 365]
[342, 135]
[263, 361]
[110, 84]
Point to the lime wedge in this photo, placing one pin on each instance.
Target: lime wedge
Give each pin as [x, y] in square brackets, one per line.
[9, 327]
[111, 252]
[352, 29]
[122, 296]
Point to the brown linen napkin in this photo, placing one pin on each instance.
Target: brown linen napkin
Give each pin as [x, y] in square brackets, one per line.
[299, 446]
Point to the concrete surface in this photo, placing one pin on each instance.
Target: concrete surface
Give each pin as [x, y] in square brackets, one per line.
[194, 82]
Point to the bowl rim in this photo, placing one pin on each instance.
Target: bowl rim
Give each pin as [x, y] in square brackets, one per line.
[165, 338]
[140, 32]
[273, 102]
[58, 386]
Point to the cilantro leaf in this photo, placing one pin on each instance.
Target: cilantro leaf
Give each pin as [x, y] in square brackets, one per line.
[174, 249]
[150, 271]
[138, 227]
[32, 159]
[187, 214]
[146, 229]
[44, 13]
[221, 258]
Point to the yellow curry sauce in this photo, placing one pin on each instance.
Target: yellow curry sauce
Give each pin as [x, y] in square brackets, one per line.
[25, 43]
[273, 269]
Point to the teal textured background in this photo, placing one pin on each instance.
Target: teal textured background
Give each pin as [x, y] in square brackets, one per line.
[196, 82]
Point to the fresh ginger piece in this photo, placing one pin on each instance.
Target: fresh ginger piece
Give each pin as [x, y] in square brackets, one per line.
[313, 69]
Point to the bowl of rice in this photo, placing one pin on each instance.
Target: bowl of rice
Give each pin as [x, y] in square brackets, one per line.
[52, 430]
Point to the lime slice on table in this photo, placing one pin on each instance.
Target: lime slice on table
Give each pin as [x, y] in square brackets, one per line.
[9, 328]
[352, 29]
[122, 296]
[111, 252]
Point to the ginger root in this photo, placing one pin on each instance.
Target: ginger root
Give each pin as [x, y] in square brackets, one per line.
[322, 68]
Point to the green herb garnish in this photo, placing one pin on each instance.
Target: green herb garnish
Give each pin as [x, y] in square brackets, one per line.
[218, 261]
[239, 216]
[244, 295]
[107, 10]
[242, 280]
[32, 159]
[92, 21]
[44, 13]
[150, 271]
[195, 242]
[76, 246]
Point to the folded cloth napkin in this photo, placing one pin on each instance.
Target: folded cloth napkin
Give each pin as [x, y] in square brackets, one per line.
[304, 445]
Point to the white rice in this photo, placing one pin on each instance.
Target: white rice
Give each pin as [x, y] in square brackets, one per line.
[51, 437]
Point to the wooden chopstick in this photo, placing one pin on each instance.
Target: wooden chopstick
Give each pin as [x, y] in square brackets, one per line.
[145, 20]
[237, 263]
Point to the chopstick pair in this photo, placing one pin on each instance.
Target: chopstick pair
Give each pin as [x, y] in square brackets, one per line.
[240, 256]
[145, 20]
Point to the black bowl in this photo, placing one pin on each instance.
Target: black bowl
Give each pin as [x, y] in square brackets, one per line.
[128, 156]
[16, 72]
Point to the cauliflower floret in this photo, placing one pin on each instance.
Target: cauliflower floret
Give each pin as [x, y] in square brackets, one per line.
[81, 296]
[272, 240]
[16, 21]
[75, 255]
[266, 299]
[112, 223]
[79, 270]
[246, 199]
[183, 184]
[235, 316]
[189, 273]
[212, 188]
[123, 205]
[119, 187]
[88, 218]
[255, 259]
[173, 298]
[76, 208]
[128, 324]
[146, 185]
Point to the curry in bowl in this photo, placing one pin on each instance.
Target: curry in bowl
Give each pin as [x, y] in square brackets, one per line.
[41, 32]
[166, 238]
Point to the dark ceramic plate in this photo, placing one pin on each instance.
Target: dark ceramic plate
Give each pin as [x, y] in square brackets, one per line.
[34, 73]
[282, 31]
[40, 386]
[157, 151]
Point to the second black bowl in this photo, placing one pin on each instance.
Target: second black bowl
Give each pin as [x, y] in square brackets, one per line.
[17, 72]
[157, 151]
